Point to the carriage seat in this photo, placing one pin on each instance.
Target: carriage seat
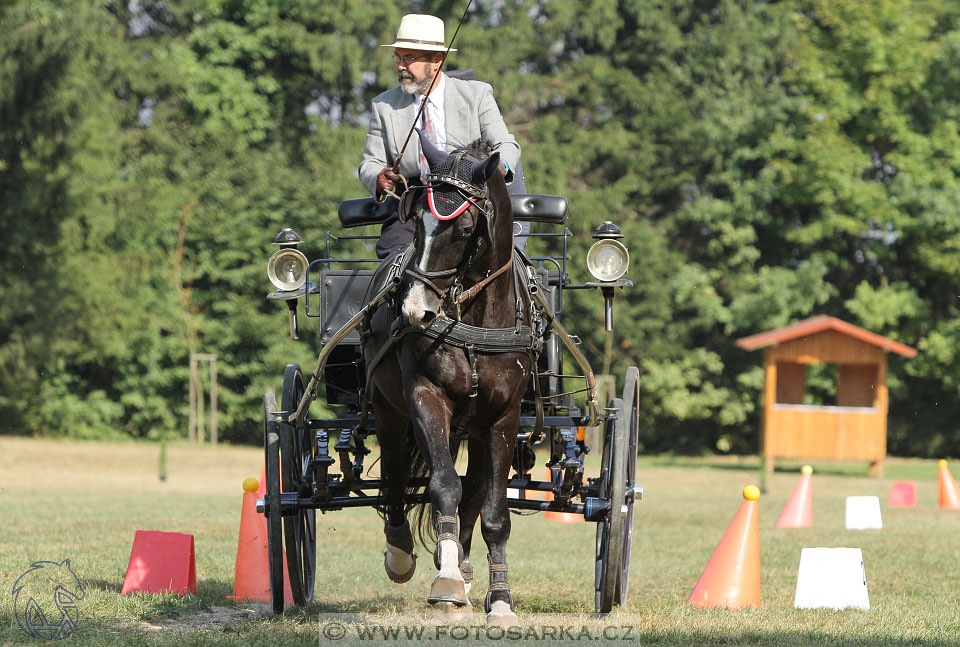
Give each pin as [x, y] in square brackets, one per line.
[531, 207]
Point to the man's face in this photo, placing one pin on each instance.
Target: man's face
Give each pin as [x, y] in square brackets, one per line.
[415, 69]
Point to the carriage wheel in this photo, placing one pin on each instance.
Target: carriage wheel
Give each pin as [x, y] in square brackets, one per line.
[613, 488]
[631, 402]
[300, 530]
[271, 445]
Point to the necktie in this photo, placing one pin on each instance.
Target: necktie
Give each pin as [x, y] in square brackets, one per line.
[431, 134]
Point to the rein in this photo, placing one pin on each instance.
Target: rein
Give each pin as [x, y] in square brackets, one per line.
[475, 290]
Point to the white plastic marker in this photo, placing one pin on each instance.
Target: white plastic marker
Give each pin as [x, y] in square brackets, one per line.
[831, 578]
[863, 513]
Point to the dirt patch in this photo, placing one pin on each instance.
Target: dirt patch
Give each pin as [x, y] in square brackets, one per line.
[215, 618]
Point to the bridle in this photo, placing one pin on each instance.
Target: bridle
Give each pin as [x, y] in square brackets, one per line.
[454, 295]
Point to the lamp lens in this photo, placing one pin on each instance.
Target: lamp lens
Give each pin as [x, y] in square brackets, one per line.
[287, 269]
[607, 260]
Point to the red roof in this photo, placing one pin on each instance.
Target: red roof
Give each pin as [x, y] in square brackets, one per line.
[820, 323]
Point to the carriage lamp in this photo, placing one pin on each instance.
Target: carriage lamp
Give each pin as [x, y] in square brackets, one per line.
[608, 261]
[287, 270]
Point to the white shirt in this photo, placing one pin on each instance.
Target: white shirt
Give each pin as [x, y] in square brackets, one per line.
[437, 117]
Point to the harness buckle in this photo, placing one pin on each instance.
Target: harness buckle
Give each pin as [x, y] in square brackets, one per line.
[474, 378]
[453, 297]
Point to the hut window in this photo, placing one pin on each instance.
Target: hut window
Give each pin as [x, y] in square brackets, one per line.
[821, 385]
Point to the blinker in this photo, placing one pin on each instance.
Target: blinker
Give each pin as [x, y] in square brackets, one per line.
[407, 201]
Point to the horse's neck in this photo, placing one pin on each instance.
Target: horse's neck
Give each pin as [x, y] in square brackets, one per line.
[495, 305]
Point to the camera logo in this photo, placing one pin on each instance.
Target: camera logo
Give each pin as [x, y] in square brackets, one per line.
[45, 599]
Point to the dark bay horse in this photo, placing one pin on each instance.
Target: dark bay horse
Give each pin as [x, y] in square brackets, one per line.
[452, 357]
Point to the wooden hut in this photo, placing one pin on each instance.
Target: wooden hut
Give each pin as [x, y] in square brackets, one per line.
[855, 427]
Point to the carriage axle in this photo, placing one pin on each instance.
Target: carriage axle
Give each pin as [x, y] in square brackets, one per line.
[291, 503]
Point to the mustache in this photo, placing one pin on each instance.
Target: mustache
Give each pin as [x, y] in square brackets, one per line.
[405, 75]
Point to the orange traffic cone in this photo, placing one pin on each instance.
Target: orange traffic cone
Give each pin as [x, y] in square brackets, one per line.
[949, 494]
[251, 579]
[798, 513]
[732, 576]
[262, 485]
[562, 517]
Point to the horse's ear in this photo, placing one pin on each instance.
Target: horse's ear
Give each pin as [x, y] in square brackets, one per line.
[434, 155]
[485, 170]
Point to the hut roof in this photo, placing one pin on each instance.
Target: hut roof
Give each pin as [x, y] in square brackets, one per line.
[820, 323]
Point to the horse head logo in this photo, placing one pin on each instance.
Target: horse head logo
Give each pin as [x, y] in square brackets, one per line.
[45, 600]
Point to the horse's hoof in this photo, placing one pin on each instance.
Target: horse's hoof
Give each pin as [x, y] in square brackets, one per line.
[448, 589]
[453, 612]
[501, 615]
[398, 556]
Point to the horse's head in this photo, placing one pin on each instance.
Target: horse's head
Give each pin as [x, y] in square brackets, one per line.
[454, 216]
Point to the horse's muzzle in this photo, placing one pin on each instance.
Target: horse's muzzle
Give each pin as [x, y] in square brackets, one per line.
[420, 306]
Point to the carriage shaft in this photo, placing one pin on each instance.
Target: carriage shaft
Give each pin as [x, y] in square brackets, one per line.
[593, 409]
[310, 394]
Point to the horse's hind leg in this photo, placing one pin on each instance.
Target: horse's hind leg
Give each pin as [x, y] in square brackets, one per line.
[495, 521]
[474, 488]
[399, 560]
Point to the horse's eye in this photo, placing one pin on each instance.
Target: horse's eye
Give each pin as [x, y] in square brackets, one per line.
[466, 225]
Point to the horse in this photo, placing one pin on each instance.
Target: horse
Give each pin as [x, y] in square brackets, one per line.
[436, 367]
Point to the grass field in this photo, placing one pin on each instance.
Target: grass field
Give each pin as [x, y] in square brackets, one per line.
[84, 501]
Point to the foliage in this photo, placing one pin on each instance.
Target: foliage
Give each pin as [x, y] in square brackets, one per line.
[766, 162]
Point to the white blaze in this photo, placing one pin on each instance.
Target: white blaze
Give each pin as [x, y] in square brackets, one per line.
[430, 224]
[415, 305]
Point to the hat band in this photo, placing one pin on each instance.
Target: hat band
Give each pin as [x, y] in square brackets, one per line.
[420, 42]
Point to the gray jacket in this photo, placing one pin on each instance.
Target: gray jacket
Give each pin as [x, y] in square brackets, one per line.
[470, 113]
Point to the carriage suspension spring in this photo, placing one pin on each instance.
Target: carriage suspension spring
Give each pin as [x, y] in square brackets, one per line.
[571, 464]
[351, 469]
[322, 462]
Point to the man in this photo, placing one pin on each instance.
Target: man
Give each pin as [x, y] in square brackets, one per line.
[457, 113]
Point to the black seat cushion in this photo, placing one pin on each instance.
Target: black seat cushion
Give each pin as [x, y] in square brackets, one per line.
[531, 207]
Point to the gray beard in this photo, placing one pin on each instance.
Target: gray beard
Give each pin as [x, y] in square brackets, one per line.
[413, 87]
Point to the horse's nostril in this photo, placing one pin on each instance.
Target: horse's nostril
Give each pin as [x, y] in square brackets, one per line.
[428, 316]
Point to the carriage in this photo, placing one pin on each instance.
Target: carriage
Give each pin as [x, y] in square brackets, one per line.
[318, 463]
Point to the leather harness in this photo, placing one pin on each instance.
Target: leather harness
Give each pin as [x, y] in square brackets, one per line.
[523, 338]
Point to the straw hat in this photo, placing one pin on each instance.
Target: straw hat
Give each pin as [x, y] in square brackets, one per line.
[422, 32]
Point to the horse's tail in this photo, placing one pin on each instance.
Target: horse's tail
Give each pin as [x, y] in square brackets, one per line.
[423, 519]
[422, 513]
[419, 473]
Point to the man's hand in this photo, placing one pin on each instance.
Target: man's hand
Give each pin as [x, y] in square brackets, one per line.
[503, 168]
[386, 180]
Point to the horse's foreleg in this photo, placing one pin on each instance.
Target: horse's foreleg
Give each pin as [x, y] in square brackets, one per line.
[495, 521]
[431, 417]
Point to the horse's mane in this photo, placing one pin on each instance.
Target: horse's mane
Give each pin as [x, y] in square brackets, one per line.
[479, 149]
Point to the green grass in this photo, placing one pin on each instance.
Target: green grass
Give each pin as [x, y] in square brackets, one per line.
[85, 501]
